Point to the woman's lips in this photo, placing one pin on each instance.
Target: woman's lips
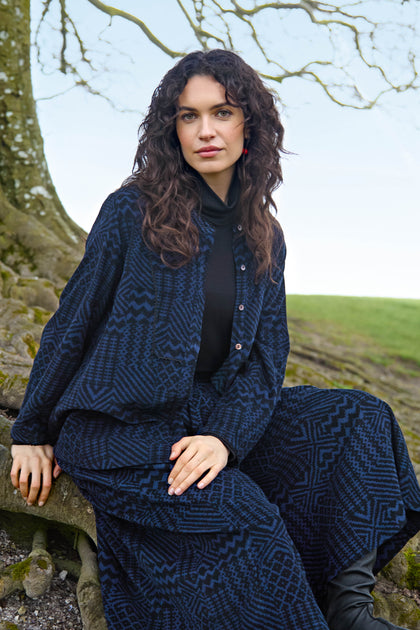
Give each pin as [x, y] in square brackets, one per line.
[208, 152]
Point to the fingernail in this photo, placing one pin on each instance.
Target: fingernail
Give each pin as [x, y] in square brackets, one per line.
[170, 480]
[171, 491]
[41, 503]
[200, 485]
[178, 491]
[28, 503]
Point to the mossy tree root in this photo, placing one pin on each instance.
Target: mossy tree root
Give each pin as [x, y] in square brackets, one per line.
[88, 588]
[32, 575]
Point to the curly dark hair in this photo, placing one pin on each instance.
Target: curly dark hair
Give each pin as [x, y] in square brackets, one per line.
[168, 183]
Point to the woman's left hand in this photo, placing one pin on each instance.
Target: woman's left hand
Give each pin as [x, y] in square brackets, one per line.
[199, 454]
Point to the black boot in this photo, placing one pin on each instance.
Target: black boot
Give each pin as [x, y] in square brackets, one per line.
[349, 602]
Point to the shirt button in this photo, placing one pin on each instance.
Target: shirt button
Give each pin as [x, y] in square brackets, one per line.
[238, 346]
[241, 307]
[239, 227]
[243, 267]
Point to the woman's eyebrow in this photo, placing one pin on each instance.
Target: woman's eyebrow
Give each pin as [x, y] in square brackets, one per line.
[194, 109]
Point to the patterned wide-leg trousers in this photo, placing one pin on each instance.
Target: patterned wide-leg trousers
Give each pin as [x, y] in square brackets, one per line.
[329, 481]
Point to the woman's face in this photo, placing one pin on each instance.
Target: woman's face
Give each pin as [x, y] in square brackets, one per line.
[210, 131]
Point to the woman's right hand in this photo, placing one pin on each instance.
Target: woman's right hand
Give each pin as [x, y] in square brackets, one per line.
[32, 471]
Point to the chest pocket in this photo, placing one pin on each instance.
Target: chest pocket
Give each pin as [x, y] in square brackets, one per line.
[179, 304]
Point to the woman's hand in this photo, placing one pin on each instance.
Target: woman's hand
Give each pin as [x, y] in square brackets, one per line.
[199, 453]
[32, 471]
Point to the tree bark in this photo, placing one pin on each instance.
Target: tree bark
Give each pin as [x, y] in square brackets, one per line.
[40, 246]
[88, 588]
[27, 189]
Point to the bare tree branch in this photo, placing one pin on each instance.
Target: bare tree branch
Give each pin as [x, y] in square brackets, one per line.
[113, 12]
[359, 55]
[202, 36]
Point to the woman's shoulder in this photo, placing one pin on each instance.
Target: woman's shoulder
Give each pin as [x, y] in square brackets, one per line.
[123, 207]
[119, 218]
[126, 201]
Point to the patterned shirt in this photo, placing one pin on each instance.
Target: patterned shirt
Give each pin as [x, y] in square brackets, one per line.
[126, 336]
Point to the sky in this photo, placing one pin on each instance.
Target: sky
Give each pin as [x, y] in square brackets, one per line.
[349, 206]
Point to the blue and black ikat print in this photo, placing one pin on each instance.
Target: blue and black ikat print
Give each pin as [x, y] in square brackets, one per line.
[125, 339]
[318, 477]
[329, 480]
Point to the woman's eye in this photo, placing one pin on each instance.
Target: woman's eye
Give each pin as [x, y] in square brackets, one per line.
[188, 116]
[224, 113]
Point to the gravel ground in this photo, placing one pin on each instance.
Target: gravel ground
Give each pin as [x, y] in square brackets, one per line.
[56, 610]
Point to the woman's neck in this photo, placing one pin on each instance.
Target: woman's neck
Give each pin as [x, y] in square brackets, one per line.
[220, 182]
[213, 209]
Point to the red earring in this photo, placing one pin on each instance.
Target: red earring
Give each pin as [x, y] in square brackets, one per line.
[244, 151]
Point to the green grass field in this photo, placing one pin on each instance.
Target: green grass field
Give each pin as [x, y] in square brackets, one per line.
[389, 325]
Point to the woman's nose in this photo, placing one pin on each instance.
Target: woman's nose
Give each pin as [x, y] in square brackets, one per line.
[206, 128]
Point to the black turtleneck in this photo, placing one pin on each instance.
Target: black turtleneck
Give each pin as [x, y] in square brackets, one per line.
[220, 280]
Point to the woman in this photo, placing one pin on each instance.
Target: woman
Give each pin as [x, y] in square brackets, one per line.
[222, 500]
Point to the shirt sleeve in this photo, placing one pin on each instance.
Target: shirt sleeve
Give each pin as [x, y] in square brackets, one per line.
[244, 410]
[83, 303]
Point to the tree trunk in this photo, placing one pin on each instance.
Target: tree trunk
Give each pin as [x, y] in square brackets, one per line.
[24, 176]
[40, 245]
